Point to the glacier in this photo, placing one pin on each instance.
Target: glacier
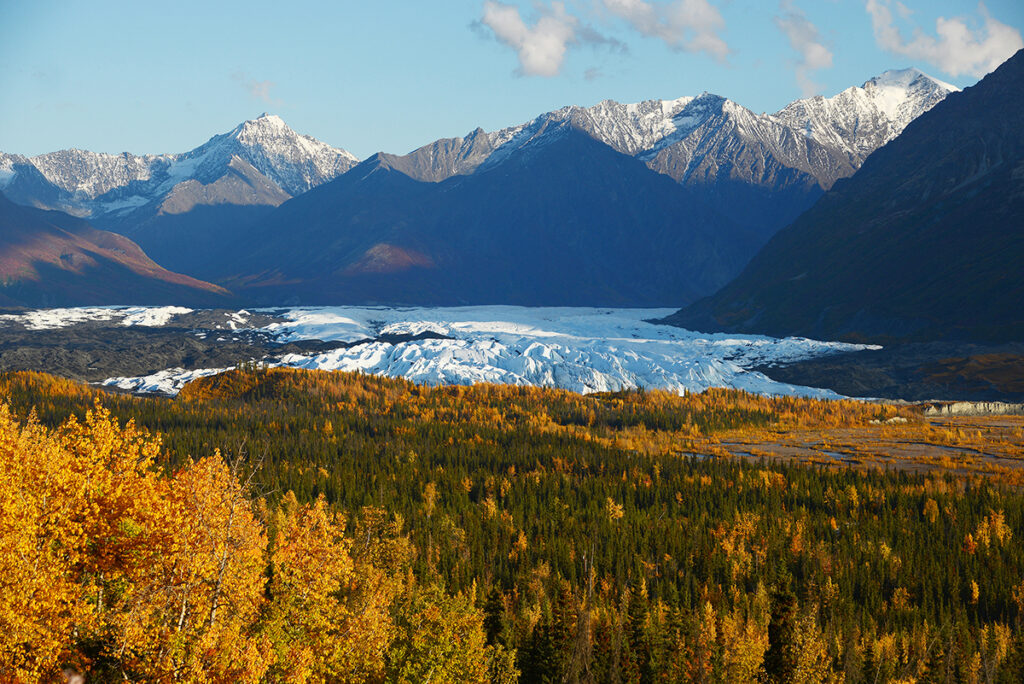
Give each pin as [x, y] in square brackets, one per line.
[575, 348]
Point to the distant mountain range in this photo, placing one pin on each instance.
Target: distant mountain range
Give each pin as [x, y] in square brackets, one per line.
[925, 242]
[760, 170]
[654, 203]
[173, 204]
[567, 222]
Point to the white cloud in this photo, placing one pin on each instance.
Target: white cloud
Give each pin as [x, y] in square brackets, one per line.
[804, 38]
[955, 49]
[541, 47]
[687, 25]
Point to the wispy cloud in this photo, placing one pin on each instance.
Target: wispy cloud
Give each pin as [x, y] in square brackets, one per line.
[541, 47]
[805, 39]
[686, 25]
[956, 48]
[259, 90]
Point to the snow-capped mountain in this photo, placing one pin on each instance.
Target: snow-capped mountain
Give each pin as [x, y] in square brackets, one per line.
[581, 205]
[759, 170]
[296, 163]
[698, 139]
[923, 243]
[859, 120]
[615, 204]
[275, 162]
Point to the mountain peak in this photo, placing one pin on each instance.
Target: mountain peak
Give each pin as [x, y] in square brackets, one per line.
[263, 125]
[273, 119]
[904, 78]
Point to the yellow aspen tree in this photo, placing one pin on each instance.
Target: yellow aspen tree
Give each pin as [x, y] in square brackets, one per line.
[195, 599]
[744, 643]
[329, 619]
[41, 604]
[440, 639]
[701, 664]
[813, 662]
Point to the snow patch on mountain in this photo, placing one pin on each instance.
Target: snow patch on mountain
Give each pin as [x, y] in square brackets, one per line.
[861, 119]
[7, 172]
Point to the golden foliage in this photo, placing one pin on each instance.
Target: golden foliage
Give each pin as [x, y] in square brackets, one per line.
[165, 577]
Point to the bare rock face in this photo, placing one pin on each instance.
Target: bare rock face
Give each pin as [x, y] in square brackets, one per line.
[703, 139]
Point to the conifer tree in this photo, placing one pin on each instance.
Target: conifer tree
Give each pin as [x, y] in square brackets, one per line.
[780, 660]
[496, 624]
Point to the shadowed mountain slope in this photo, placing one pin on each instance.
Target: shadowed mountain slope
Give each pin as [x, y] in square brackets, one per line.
[564, 221]
[48, 258]
[926, 241]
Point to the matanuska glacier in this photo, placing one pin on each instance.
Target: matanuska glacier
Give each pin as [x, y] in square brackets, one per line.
[579, 349]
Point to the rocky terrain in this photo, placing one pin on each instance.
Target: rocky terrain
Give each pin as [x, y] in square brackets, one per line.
[915, 372]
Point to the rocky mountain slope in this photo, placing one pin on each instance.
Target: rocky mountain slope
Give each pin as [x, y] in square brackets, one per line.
[95, 184]
[925, 242]
[48, 258]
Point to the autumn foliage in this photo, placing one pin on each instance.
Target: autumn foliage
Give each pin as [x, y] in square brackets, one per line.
[116, 571]
[368, 529]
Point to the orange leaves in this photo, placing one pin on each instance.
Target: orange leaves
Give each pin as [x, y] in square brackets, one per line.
[203, 589]
[73, 509]
[970, 546]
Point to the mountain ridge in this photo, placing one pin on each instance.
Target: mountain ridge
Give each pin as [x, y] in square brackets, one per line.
[103, 186]
[598, 227]
[739, 173]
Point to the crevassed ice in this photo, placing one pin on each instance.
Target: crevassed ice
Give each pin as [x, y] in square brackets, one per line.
[580, 349]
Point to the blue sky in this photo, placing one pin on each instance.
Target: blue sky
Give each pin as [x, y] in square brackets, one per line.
[395, 74]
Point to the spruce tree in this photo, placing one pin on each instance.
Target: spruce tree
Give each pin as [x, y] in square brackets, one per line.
[780, 659]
